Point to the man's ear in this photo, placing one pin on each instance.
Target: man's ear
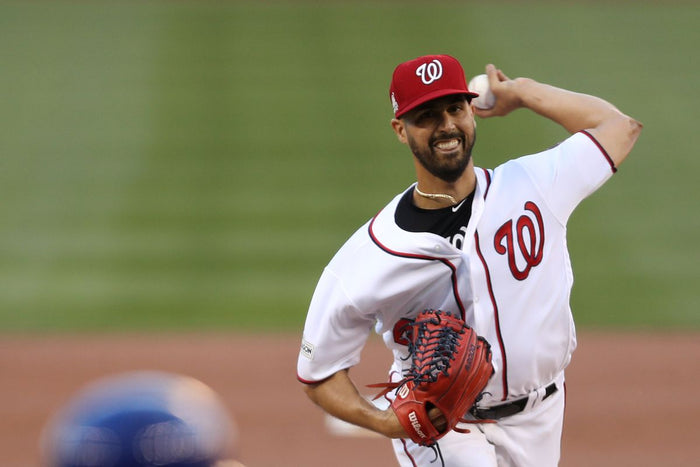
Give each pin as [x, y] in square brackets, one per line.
[473, 109]
[399, 129]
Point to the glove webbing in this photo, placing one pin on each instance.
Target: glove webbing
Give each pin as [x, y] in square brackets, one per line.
[432, 350]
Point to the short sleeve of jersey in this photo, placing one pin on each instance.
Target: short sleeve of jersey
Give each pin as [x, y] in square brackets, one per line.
[334, 334]
[569, 172]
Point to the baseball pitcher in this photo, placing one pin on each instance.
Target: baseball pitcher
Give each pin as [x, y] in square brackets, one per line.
[466, 275]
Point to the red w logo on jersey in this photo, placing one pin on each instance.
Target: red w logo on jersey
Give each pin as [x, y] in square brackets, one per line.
[529, 247]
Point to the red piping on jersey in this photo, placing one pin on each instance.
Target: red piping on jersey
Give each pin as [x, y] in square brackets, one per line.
[493, 297]
[488, 182]
[444, 261]
[495, 317]
[408, 454]
[311, 381]
[602, 149]
[307, 381]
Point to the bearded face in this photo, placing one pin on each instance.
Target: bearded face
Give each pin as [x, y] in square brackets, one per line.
[441, 135]
[446, 155]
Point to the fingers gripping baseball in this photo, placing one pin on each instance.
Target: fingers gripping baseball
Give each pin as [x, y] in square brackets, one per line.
[505, 92]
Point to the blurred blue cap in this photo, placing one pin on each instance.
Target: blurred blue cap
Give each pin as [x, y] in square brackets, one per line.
[141, 419]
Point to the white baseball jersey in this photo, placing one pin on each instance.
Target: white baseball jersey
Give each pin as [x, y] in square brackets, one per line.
[509, 275]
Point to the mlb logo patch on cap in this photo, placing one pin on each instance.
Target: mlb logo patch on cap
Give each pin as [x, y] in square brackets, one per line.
[425, 78]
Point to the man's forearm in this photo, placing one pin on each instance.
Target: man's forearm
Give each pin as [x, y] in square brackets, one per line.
[572, 110]
[339, 397]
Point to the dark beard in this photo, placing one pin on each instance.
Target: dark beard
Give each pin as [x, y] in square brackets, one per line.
[448, 172]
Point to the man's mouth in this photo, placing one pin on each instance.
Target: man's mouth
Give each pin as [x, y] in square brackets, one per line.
[448, 144]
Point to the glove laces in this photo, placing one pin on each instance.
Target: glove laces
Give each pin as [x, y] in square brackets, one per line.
[433, 350]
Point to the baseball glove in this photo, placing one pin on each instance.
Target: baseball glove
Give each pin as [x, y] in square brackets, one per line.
[450, 366]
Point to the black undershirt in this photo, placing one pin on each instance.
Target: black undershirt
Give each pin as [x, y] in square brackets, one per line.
[446, 222]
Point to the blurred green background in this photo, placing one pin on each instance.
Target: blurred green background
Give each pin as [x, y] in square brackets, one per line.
[195, 164]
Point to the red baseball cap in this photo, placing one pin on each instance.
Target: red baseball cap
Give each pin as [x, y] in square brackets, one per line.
[425, 78]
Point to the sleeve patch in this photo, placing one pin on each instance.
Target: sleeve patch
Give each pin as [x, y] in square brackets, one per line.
[307, 349]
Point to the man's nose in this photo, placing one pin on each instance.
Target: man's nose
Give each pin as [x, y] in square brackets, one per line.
[447, 122]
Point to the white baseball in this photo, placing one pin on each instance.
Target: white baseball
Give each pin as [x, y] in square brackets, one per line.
[480, 85]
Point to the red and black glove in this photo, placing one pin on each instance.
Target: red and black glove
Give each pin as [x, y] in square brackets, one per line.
[450, 368]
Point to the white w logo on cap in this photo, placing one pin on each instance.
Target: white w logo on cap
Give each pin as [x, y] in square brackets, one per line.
[430, 72]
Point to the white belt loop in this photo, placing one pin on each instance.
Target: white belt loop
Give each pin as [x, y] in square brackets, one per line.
[533, 398]
[538, 395]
